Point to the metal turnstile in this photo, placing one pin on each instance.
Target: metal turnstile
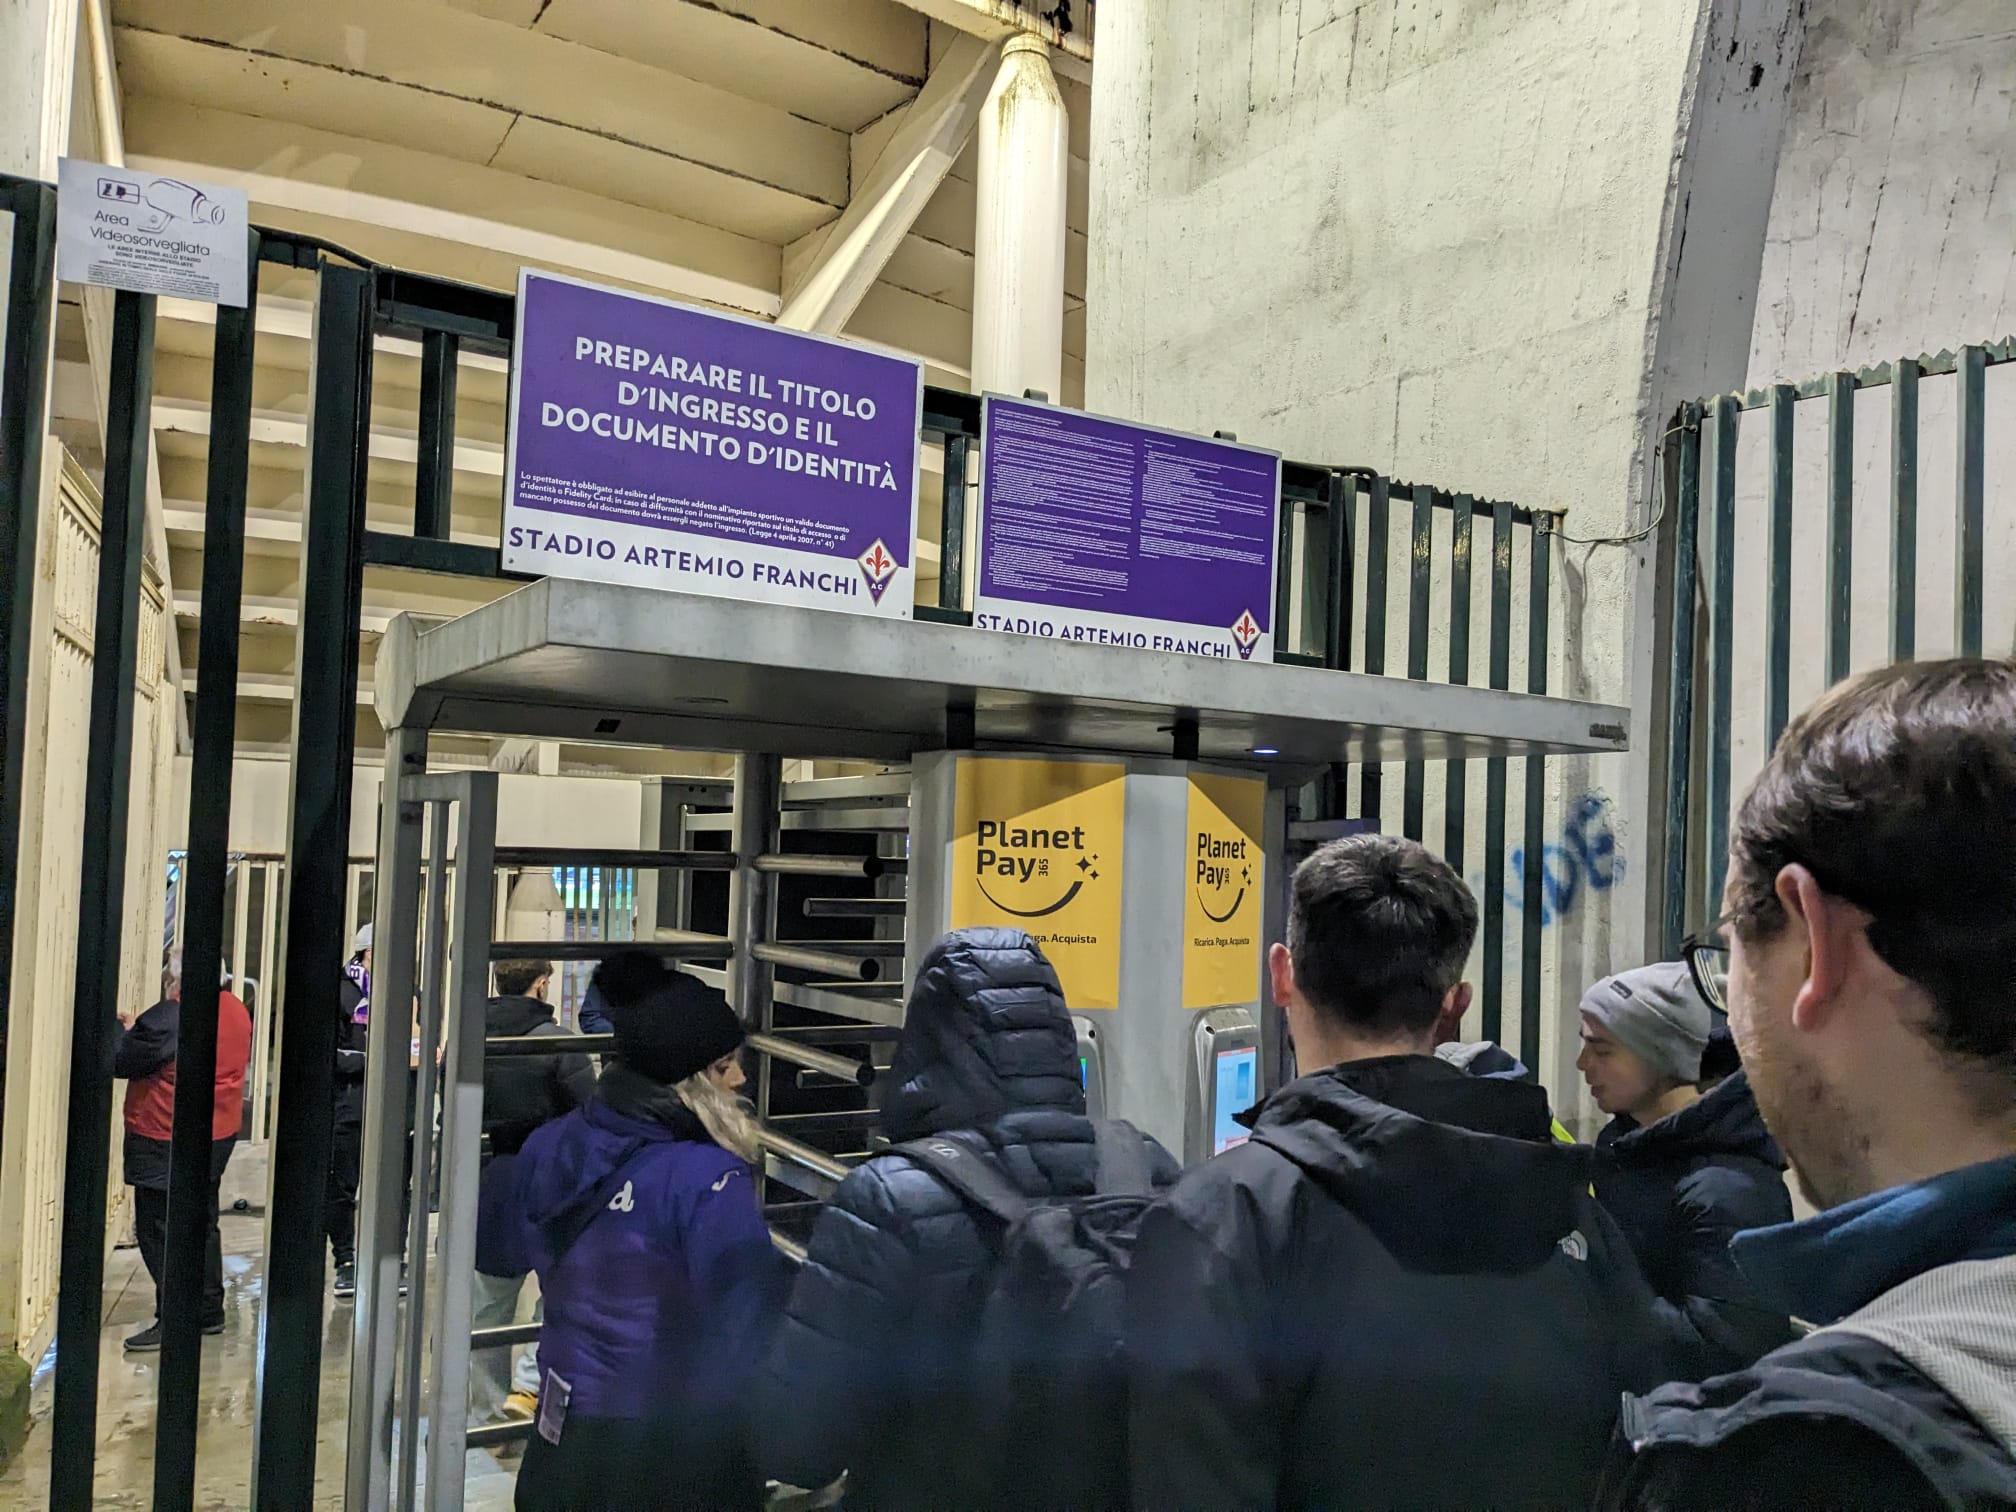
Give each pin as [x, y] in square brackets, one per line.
[434, 924]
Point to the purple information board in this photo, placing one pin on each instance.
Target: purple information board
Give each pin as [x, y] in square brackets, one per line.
[1099, 530]
[658, 444]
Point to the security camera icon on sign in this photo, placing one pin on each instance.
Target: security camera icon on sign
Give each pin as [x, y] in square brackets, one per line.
[162, 202]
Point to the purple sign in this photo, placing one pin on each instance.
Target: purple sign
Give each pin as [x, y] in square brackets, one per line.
[662, 445]
[1098, 530]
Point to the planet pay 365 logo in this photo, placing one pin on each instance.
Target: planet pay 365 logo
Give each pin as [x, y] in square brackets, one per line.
[1043, 869]
[1223, 866]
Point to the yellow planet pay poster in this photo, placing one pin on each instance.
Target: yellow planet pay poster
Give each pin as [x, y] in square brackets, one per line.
[1221, 893]
[1036, 846]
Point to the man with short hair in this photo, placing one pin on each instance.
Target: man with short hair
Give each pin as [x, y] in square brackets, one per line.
[1399, 1291]
[1870, 910]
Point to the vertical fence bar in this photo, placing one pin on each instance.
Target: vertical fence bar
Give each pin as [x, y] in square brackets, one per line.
[1378, 525]
[24, 416]
[434, 489]
[1970, 474]
[191, 1190]
[1778, 568]
[1341, 497]
[1904, 509]
[1680, 708]
[1420, 569]
[1840, 522]
[952, 527]
[1722, 639]
[1342, 491]
[1456, 795]
[1541, 538]
[318, 871]
[101, 901]
[1495, 778]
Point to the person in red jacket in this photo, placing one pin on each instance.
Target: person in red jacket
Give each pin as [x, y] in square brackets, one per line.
[146, 1060]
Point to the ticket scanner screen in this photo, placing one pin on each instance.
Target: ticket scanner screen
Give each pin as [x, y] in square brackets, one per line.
[1227, 1081]
[1091, 1066]
[1238, 1079]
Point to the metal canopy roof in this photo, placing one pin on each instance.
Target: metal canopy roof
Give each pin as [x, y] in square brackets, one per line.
[591, 661]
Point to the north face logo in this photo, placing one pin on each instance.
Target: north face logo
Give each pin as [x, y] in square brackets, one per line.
[1574, 1246]
[624, 1201]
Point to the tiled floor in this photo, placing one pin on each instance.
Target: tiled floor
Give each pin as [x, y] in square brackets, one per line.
[127, 1385]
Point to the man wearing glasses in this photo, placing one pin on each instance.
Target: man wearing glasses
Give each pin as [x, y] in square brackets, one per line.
[1870, 928]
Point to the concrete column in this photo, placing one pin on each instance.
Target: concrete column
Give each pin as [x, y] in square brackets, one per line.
[38, 52]
[1018, 233]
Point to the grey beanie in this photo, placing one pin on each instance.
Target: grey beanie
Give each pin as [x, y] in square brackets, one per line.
[1656, 1013]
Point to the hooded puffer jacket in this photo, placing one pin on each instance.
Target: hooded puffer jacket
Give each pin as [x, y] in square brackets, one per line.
[874, 1344]
[1398, 1293]
[1681, 1189]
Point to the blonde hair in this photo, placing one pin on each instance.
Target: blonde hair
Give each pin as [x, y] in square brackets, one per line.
[728, 1118]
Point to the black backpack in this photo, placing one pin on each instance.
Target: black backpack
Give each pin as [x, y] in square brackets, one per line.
[1048, 1410]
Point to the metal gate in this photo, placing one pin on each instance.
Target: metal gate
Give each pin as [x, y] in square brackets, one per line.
[1862, 501]
[1342, 528]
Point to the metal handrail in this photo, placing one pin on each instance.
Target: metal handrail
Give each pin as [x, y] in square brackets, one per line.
[686, 947]
[831, 866]
[825, 962]
[639, 860]
[839, 1067]
[818, 1162]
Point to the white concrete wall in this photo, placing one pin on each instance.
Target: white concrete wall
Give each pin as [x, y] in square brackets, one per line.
[531, 810]
[1485, 245]
[1892, 234]
[1892, 230]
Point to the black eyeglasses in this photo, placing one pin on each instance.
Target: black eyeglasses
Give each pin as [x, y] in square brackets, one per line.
[1707, 958]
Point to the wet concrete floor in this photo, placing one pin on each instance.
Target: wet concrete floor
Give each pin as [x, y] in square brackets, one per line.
[127, 1385]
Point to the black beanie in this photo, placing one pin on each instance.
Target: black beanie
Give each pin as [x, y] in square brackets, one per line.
[669, 1025]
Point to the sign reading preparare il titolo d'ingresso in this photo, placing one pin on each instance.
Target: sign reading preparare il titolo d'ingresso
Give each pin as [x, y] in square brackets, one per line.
[149, 233]
[656, 444]
[1100, 530]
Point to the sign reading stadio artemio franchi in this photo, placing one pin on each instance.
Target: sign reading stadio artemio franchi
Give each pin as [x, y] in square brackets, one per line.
[661, 445]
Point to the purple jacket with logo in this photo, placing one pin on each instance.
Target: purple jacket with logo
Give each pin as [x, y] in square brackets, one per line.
[672, 1287]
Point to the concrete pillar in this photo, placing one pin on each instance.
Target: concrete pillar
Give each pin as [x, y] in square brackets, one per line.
[1018, 233]
[38, 52]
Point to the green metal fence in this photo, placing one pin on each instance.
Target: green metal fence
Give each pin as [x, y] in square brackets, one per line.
[1814, 525]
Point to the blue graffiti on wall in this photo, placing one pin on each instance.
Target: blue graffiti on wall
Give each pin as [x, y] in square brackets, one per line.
[1585, 858]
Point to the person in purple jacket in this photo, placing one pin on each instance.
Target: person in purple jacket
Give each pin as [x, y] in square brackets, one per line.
[641, 1215]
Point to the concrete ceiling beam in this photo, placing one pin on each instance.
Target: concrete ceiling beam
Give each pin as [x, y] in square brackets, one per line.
[827, 278]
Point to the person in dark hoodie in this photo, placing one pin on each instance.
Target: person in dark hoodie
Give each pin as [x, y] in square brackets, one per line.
[641, 1216]
[1870, 920]
[520, 1093]
[1398, 1292]
[1681, 1173]
[874, 1352]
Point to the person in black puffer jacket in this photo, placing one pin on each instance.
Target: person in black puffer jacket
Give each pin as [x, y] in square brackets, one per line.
[1681, 1173]
[873, 1351]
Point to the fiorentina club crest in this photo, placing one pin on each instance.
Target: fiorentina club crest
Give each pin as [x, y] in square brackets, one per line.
[1246, 632]
[879, 568]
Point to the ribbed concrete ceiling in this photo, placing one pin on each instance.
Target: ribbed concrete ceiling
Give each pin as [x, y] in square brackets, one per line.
[680, 146]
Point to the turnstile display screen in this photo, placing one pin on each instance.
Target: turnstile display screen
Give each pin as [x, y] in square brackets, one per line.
[1085, 1072]
[1238, 1076]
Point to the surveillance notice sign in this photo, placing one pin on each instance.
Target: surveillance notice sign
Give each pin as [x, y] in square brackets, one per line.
[664, 446]
[150, 233]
